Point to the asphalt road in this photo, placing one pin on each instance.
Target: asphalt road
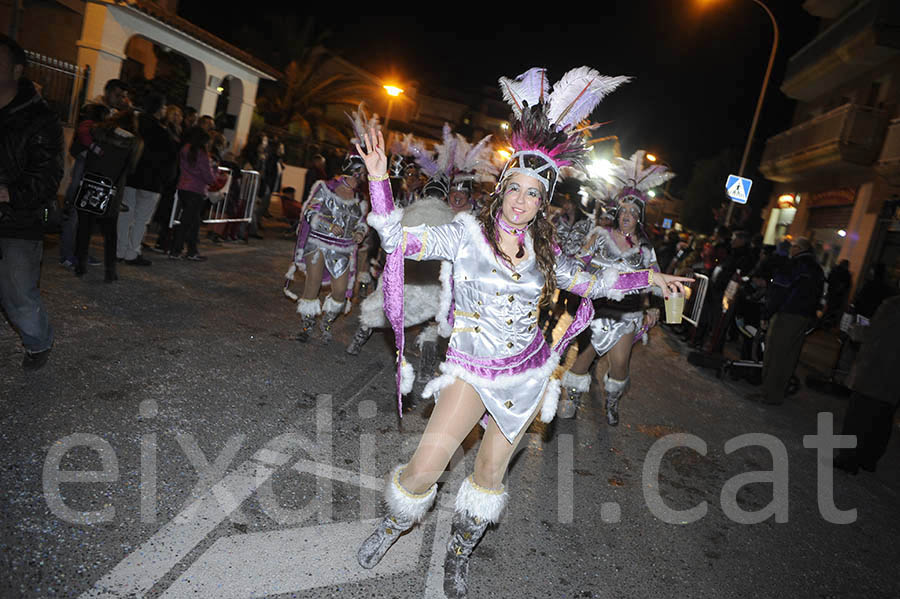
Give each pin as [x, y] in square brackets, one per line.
[181, 443]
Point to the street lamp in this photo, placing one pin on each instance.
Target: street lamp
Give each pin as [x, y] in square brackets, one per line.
[651, 157]
[759, 102]
[392, 91]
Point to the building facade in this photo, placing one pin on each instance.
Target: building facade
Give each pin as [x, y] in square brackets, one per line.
[837, 169]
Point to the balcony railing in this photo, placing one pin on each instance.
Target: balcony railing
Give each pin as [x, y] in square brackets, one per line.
[848, 134]
[888, 163]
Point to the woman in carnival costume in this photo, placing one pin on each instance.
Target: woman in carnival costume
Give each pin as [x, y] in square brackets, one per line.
[332, 225]
[625, 317]
[505, 264]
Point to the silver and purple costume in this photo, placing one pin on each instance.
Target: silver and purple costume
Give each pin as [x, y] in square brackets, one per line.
[495, 343]
[571, 235]
[325, 209]
[622, 313]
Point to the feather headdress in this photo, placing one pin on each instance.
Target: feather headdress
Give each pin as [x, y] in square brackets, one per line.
[632, 181]
[457, 163]
[404, 152]
[361, 124]
[544, 135]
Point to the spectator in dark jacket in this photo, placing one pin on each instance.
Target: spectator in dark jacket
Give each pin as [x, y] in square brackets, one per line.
[31, 166]
[155, 170]
[113, 155]
[791, 305]
[839, 282]
[666, 251]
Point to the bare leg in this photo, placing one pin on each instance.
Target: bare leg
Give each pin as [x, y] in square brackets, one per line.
[315, 267]
[455, 414]
[494, 455]
[339, 287]
[583, 361]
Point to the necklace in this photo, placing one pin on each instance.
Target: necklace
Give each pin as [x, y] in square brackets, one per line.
[510, 230]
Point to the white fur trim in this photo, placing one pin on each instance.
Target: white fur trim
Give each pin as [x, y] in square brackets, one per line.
[434, 386]
[454, 371]
[290, 273]
[428, 335]
[579, 382]
[380, 221]
[290, 294]
[443, 312]
[419, 305]
[476, 233]
[365, 278]
[478, 502]
[608, 280]
[611, 384]
[551, 401]
[427, 211]
[402, 503]
[309, 307]
[330, 306]
[407, 377]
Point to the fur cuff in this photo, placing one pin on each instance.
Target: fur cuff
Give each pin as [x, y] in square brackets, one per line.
[579, 382]
[609, 278]
[479, 502]
[308, 307]
[404, 504]
[380, 221]
[612, 385]
[551, 400]
[407, 377]
[329, 306]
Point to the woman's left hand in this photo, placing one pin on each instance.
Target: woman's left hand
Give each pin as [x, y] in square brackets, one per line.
[651, 317]
[670, 283]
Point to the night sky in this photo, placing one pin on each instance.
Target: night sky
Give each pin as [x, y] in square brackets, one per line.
[698, 64]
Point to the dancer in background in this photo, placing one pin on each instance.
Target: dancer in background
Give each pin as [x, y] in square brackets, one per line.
[505, 265]
[621, 318]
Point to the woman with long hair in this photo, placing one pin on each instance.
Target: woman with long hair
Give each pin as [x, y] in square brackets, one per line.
[196, 175]
[621, 319]
[505, 266]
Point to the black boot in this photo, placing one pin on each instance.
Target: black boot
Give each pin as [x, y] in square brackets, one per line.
[359, 339]
[308, 309]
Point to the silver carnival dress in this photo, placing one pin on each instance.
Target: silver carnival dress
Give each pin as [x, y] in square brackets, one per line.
[325, 209]
[495, 343]
[621, 313]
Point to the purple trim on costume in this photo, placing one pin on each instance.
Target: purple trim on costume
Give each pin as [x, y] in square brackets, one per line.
[655, 268]
[391, 279]
[333, 183]
[640, 333]
[413, 245]
[583, 318]
[339, 241]
[632, 280]
[586, 260]
[380, 196]
[581, 288]
[534, 356]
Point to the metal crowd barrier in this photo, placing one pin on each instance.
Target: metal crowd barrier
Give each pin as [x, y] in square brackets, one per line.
[695, 301]
[234, 203]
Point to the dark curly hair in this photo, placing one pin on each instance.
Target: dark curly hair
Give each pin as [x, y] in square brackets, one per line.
[543, 237]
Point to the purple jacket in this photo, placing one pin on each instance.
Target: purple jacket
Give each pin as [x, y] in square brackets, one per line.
[195, 177]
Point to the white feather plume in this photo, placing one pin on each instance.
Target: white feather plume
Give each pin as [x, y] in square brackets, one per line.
[530, 87]
[576, 95]
[631, 172]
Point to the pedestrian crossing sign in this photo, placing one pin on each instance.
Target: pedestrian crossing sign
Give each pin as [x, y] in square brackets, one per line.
[738, 188]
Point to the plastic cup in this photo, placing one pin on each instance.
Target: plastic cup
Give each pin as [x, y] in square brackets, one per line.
[674, 307]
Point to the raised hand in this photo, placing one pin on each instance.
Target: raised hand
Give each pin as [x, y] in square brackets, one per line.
[375, 158]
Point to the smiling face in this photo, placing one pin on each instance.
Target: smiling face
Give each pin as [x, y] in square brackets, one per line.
[628, 215]
[522, 197]
[458, 200]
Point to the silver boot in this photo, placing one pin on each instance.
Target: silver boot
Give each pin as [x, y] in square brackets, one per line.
[614, 392]
[308, 310]
[359, 339]
[404, 510]
[330, 312]
[476, 508]
[573, 386]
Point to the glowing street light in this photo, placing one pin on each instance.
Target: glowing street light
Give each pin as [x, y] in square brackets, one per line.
[842, 233]
[651, 157]
[392, 91]
[504, 125]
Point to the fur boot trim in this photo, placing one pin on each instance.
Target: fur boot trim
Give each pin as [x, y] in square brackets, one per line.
[309, 307]
[551, 401]
[407, 377]
[579, 382]
[614, 386]
[406, 505]
[330, 306]
[478, 502]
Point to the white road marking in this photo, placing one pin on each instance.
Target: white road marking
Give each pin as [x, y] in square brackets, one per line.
[287, 561]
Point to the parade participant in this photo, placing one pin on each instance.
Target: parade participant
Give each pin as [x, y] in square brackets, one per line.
[332, 225]
[505, 265]
[405, 169]
[621, 318]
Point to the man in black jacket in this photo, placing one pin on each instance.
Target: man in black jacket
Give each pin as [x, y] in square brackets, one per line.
[155, 169]
[791, 304]
[31, 166]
